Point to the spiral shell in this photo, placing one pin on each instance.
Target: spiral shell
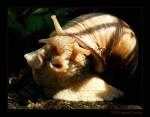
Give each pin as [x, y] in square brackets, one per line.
[106, 36]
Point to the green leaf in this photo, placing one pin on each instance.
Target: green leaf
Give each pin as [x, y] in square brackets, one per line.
[40, 11]
[19, 28]
[33, 23]
[62, 11]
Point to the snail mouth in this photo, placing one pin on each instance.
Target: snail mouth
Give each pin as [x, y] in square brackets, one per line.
[59, 67]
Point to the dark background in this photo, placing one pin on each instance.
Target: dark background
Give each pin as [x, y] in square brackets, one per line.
[26, 25]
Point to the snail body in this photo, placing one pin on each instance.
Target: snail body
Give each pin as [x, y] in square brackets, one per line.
[70, 64]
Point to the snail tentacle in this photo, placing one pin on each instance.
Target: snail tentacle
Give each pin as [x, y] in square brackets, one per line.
[57, 26]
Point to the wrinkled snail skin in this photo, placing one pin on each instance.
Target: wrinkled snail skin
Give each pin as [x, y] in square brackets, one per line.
[69, 65]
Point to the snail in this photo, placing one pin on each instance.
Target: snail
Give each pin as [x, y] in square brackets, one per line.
[71, 63]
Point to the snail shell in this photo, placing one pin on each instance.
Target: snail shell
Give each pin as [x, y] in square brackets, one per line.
[103, 40]
[105, 36]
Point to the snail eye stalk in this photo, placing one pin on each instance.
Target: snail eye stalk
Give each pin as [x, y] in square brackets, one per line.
[57, 26]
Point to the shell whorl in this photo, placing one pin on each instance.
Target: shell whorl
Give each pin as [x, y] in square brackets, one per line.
[105, 35]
